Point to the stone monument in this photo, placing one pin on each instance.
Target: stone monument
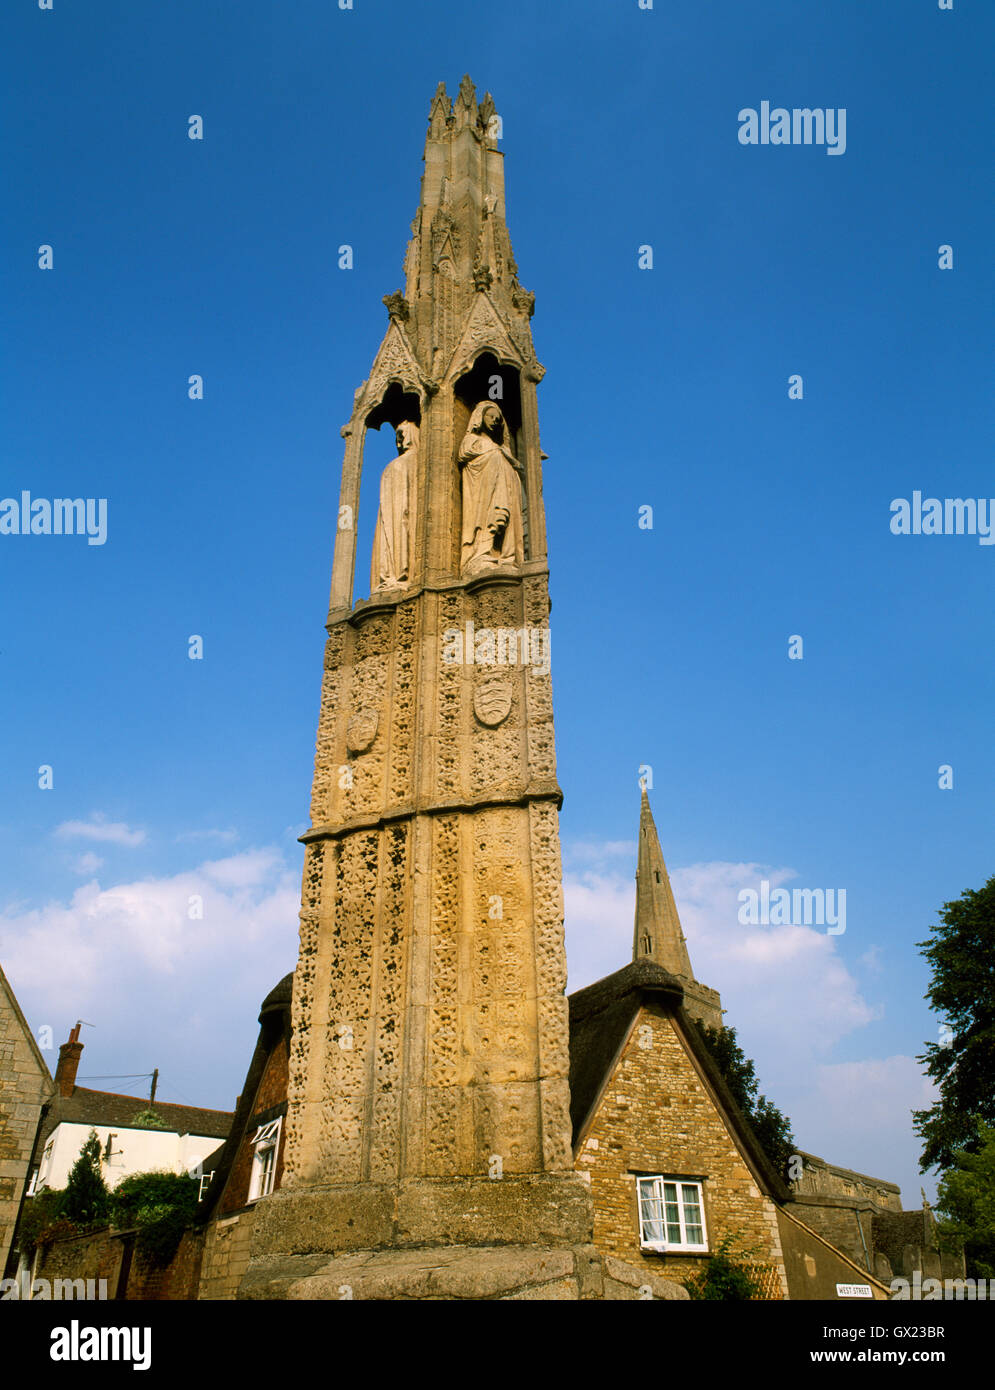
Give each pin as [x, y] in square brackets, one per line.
[428, 1148]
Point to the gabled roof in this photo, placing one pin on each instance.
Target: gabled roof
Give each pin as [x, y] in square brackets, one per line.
[600, 1019]
[274, 1020]
[86, 1107]
[5, 988]
[600, 1016]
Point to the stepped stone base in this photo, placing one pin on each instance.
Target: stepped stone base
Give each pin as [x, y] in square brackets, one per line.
[455, 1273]
[524, 1238]
[538, 1209]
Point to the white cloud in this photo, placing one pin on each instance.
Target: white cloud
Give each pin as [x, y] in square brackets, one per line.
[87, 864]
[871, 959]
[227, 837]
[250, 869]
[163, 988]
[859, 1115]
[599, 913]
[590, 853]
[786, 990]
[146, 926]
[99, 828]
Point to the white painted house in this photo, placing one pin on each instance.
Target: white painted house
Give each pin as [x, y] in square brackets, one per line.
[124, 1150]
[189, 1134]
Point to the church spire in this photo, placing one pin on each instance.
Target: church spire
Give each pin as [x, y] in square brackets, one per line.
[658, 935]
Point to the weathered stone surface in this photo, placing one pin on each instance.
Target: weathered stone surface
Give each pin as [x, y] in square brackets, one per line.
[625, 1281]
[514, 1210]
[429, 1050]
[428, 1100]
[297, 1221]
[589, 1270]
[562, 1290]
[270, 1277]
[458, 1272]
[449, 1272]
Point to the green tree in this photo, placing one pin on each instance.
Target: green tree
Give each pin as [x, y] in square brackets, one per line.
[772, 1129]
[966, 1199]
[85, 1201]
[961, 952]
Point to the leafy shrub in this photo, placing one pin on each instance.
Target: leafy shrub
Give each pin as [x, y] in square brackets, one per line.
[149, 1119]
[725, 1276]
[42, 1218]
[161, 1206]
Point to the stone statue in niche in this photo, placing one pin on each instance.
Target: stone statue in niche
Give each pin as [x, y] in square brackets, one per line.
[391, 562]
[492, 494]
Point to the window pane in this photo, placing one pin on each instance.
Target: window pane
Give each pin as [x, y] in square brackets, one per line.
[672, 1213]
[266, 1180]
[692, 1214]
[650, 1211]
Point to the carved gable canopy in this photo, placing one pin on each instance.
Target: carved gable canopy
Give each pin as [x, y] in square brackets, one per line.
[395, 361]
[484, 329]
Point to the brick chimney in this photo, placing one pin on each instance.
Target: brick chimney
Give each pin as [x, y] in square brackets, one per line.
[69, 1055]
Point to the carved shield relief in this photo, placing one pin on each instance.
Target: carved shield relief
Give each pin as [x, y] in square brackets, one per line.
[361, 730]
[492, 700]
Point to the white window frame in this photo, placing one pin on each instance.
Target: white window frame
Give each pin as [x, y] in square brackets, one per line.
[265, 1143]
[653, 1186]
[45, 1166]
[33, 1180]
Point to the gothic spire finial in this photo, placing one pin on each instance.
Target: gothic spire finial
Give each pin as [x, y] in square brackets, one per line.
[465, 105]
[439, 111]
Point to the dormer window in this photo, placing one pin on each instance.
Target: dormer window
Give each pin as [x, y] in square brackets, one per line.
[265, 1143]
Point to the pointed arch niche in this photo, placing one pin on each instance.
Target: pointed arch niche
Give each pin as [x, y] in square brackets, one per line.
[490, 380]
[359, 501]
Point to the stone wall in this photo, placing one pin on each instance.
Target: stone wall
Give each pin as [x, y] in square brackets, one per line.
[130, 1275]
[96, 1256]
[25, 1086]
[813, 1267]
[656, 1116]
[226, 1255]
[845, 1222]
[822, 1179]
[908, 1240]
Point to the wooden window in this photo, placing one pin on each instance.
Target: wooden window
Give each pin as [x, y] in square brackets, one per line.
[671, 1215]
[265, 1143]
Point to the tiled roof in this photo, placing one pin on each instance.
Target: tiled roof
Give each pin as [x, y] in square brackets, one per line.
[600, 1018]
[274, 1024]
[85, 1107]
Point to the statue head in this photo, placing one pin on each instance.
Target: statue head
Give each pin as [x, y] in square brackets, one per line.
[487, 419]
[406, 436]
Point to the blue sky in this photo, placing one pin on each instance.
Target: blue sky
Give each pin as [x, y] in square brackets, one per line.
[665, 387]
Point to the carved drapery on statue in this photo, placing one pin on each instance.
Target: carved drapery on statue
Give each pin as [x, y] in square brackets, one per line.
[391, 560]
[492, 494]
